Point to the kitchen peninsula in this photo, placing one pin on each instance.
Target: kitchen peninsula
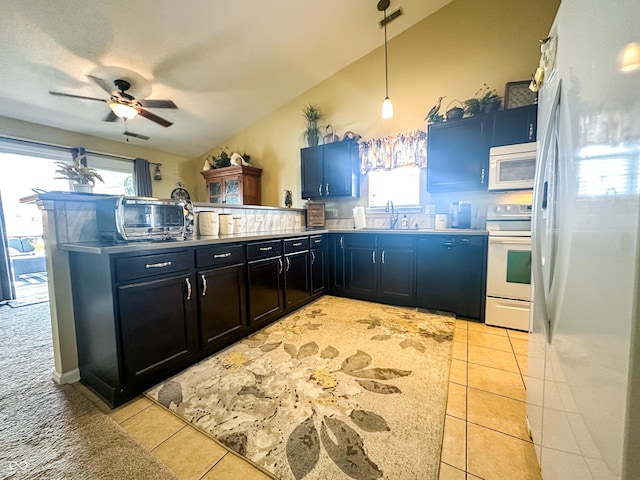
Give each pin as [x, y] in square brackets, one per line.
[143, 311]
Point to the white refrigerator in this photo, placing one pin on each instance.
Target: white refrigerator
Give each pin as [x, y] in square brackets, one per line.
[583, 380]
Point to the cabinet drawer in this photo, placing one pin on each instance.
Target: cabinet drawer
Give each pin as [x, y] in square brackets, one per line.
[360, 240]
[128, 268]
[219, 256]
[296, 244]
[396, 241]
[268, 249]
[318, 241]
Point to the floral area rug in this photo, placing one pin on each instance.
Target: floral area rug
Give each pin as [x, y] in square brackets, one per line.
[339, 389]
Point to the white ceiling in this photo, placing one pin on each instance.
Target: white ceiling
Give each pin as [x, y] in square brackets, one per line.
[225, 63]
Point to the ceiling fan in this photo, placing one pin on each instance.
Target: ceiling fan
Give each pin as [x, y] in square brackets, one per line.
[124, 105]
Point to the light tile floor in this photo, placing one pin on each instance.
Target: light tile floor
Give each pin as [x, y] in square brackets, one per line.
[485, 433]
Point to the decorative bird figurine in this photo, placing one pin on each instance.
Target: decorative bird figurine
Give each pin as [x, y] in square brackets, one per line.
[434, 110]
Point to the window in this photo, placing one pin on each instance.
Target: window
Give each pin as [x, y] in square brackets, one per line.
[116, 172]
[400, 185]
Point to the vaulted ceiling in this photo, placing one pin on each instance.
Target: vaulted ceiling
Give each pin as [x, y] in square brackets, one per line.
[225, 63]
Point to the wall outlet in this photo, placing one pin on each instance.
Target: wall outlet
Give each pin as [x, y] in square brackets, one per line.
[430, 209]
[259, 218]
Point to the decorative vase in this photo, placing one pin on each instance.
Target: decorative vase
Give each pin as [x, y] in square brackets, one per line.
[312, 138]
[82, 187]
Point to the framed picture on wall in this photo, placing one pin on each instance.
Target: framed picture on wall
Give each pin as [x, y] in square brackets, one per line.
[517, 94]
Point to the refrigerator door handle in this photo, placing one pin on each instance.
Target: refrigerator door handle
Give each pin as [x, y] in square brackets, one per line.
[545, 209]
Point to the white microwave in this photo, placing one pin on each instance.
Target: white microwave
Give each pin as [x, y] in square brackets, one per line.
[512, 167]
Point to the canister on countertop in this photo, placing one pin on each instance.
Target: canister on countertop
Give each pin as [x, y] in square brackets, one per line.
[238, 224]
[226, 223]
[208, 223]
[441, 221]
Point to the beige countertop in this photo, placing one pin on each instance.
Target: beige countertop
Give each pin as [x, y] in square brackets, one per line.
[100, 248]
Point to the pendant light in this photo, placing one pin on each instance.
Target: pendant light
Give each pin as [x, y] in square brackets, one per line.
[387, 106]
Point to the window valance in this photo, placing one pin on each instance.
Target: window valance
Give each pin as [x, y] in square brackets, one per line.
[387, 153]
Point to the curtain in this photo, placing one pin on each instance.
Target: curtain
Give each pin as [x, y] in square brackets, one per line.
[7, 290]
[387, 153]
[142, 177]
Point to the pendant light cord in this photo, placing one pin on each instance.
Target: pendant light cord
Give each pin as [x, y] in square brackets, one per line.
[386, 73]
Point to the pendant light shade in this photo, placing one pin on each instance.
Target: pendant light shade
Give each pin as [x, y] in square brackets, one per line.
[387, 109]
[387, 106]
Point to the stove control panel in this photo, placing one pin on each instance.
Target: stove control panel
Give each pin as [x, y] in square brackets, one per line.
[509, 211]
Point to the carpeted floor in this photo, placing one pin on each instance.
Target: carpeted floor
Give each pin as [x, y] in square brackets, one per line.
[341, 389]
[49, 431]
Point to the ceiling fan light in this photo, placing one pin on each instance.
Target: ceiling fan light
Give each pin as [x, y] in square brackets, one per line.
[123, 111]
[387, 109]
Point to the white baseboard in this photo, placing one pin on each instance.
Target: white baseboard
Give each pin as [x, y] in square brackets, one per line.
[68, 377]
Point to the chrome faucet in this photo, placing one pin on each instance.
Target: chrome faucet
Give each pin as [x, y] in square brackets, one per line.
[393, 217]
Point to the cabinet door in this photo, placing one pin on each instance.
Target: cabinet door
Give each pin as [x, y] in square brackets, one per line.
[397, 276]
[158, 325]
[233, 190]
[458, 154]
[221, 298]
[362, 269]
[265, 290]
[338, 172]
[216, 194]
[515, 125]
[318, 271]
[311, 171]
[437, 274]
[336, 264]
[296, 278]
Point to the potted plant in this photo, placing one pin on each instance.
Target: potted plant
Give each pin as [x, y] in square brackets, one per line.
[312, 115]
[223, 159]
[486, 100]
[83, 177]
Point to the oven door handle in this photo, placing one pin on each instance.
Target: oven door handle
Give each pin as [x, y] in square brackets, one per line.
[510, 240]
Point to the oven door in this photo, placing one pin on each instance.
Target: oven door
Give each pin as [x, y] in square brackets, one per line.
[509, 267]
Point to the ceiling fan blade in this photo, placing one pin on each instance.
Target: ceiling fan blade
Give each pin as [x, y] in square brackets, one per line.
[111, 117]
[154, 118]
[103, 84]
[78, 96]
[157, 104]
[135, 135]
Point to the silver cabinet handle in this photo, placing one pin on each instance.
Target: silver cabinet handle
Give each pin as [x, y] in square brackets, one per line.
[320, 189]
[222, 255]
[382, 256]
[317, 241]
[158, 265]
[373, 256]
[288, 264]
[188, 289]
[341, 242]
[482, 176]
[326, 189]
[299, 244]
[313, 257]
[204, 285]
[531, 131]
[265, 249]
[280, 269]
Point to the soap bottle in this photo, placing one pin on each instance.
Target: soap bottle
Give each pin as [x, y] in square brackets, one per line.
[404, 223]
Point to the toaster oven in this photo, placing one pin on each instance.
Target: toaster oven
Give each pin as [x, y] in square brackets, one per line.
[123, 218]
